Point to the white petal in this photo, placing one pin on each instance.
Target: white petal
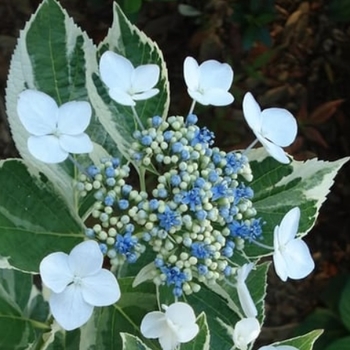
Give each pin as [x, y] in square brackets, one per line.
[280, 347]
[37, 112]
[144, 77]
[218, 97]
[279, 126]
[280, 265]
[246, 300]
[76, 143]
[289, 226]
[116, 71]
[145, 95]
[55, 271]
[101, 289]
[213, 74]
[273, 150]
[169, 340]
[47, 149]
[187, 333]
[199, 97]
[74, 117]
[252, 113]
[86, 259]
[69, 308]
[153, 325]
[191, 73]
[121, 97]
[243, 272]
[180, 314]
[246, 330]
[298, 259]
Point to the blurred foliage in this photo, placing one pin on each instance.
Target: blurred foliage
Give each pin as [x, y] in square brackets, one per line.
[253, 17]
[333, 316]
[339, 10]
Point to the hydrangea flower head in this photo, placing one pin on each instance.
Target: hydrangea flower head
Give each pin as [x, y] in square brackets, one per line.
[209, 82]
[274, 127]
[174, 326]
[291, 255]
[55, 131]
[125, 83]
[78, 283]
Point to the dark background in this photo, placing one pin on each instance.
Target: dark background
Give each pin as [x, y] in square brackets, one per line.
[291, 54]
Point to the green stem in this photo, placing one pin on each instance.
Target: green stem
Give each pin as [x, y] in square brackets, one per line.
[262, 245]
[192, 107]
[142, 176]
[136, 116]
[250, 146]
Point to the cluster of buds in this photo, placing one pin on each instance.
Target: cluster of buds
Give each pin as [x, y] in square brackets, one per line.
[198, 212]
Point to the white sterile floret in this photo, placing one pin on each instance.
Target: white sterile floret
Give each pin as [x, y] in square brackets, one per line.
[274, 127]
[209, 82]
[55, 131]
[174, 326]
[246, 330]
[279, 347]
[291, 255]
[244, 296]
[78, 283]
[127, 84]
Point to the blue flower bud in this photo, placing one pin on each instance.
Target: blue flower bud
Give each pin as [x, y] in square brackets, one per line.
[156, 121]
[146, 140]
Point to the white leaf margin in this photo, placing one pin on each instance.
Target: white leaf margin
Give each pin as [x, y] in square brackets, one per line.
[315, 189]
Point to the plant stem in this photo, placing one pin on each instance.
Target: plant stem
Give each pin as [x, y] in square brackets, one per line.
[137, 117]
[262, 245]
[192, 107]
[250, 146]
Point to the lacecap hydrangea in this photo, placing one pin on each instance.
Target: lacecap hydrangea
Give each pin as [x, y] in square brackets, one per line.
[197, 209]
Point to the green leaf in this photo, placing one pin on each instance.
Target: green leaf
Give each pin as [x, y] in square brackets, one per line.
[125, 39]
[303, 342]
[34, 220]
[17, 286]
[322, 319]
[16, 331]
[54, 56]
[344, 305]
[16, 327]
[202, 339]
[219, 312]
[130, 342]
[279, 188]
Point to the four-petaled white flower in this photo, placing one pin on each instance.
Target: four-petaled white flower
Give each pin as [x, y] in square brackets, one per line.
[244, 296]
[55, 131]
[278, 347]
[291, 255]
[174, 326]
[78, 283]
[125, 83]
[246, 330]
[209, 82]
[274, 127]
